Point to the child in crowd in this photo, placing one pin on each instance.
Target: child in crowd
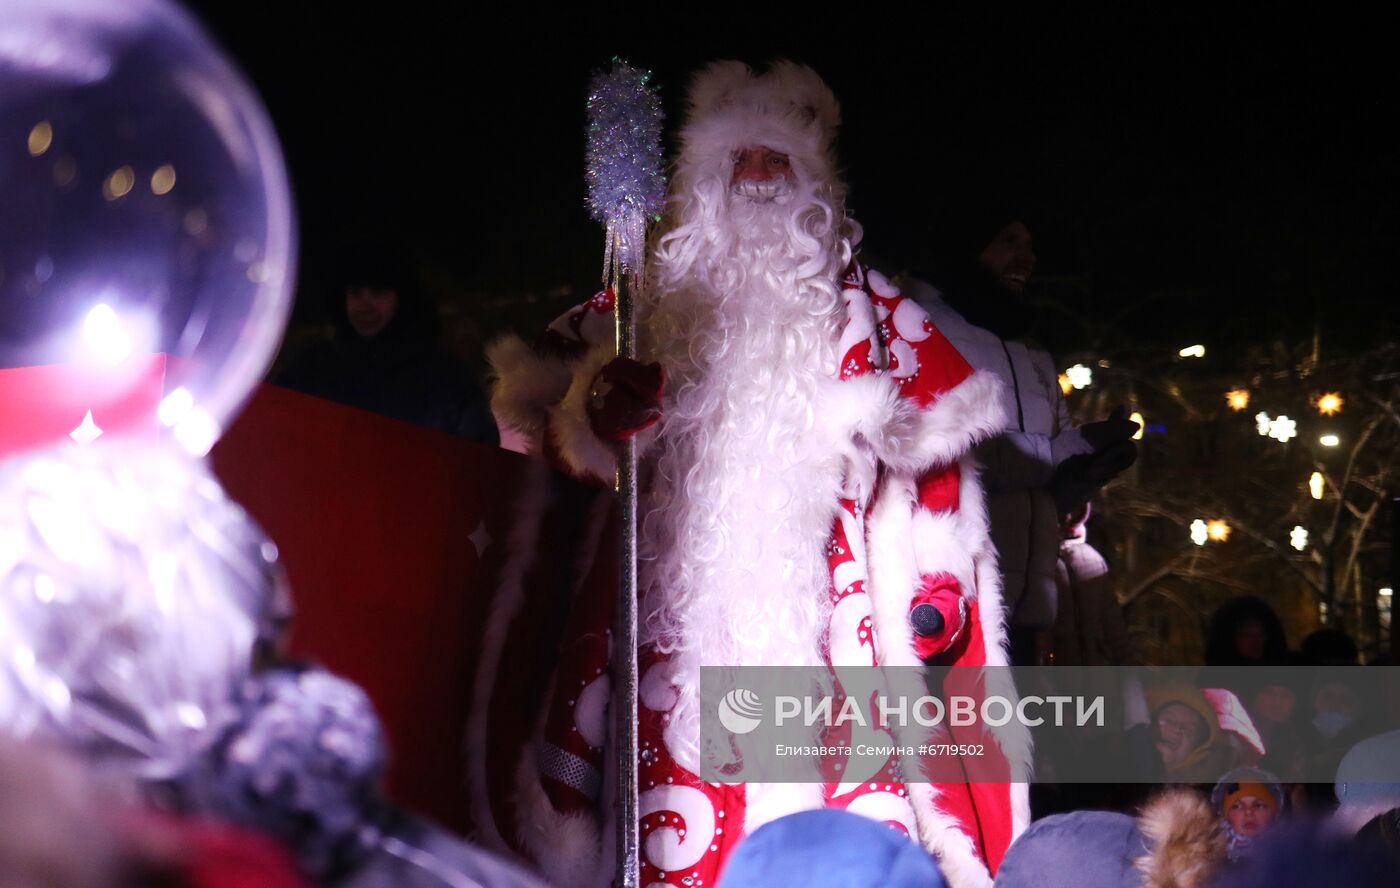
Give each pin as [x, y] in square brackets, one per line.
[1247, 800]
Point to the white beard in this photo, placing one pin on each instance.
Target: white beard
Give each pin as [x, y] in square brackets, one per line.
[744, 477]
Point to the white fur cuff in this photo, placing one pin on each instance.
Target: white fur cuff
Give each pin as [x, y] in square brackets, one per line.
[525, 384]
[566, 848]
[913, 440]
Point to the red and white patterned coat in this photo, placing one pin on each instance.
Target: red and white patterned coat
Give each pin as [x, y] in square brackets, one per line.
[918, 408]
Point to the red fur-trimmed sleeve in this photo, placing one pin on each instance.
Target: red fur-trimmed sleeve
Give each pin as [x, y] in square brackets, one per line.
[939, 406]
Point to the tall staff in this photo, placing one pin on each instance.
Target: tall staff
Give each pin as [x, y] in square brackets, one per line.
[625, 192]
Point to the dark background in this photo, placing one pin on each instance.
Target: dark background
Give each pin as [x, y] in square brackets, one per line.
[1193, 178]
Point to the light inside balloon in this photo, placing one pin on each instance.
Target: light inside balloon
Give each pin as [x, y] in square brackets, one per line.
[108, 342]
[118, 185]
[174, 406]
[40, 138]
[163, 179]
[197, 431]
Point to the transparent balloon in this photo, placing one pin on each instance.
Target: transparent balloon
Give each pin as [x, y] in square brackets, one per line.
[146, 227]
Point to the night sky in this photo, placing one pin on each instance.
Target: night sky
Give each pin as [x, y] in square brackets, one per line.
[1193, 176]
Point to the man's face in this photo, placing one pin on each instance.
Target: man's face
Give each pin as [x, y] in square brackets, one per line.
[1250, 639]
[1010, 257]
[370, 309]
[761, 173]
[1178, 730]
[1274, 703]
[1250, 816]
[1335, 697]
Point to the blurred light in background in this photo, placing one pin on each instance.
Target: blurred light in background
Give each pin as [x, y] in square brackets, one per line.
[1298, 537]
[40, 138]
[1330, 404]
[1199, 532]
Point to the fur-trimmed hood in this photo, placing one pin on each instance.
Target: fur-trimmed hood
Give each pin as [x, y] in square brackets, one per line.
[788, 108]
[1176, 842]
[1184, 838]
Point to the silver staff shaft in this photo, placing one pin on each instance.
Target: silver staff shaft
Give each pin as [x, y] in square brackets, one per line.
[625, 651]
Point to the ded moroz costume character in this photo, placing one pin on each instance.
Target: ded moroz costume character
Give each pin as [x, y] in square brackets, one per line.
[806, 486]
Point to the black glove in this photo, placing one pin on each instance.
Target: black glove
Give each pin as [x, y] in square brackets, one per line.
[1104, 465]
[1107, 432]
[1079, 476]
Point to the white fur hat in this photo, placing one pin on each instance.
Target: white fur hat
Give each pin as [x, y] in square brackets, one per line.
[788, 108]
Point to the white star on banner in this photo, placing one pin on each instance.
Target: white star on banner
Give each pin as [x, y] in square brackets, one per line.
[480, 539]
[87, 431]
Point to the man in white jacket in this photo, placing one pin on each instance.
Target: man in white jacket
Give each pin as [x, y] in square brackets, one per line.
[1040, 457]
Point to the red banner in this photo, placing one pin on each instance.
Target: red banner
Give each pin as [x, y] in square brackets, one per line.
[41, 406]
[434, 571]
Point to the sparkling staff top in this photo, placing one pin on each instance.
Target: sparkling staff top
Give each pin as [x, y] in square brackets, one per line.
[626, 186]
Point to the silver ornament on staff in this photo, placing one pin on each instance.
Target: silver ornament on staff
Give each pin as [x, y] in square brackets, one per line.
[626, 189]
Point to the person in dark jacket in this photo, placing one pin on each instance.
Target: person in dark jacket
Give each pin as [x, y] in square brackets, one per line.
[384, 356]
[1330, 647]
[1342, 712]
[1041, 465]
[1379, 839]
[1245, 631]
[1276, 698]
